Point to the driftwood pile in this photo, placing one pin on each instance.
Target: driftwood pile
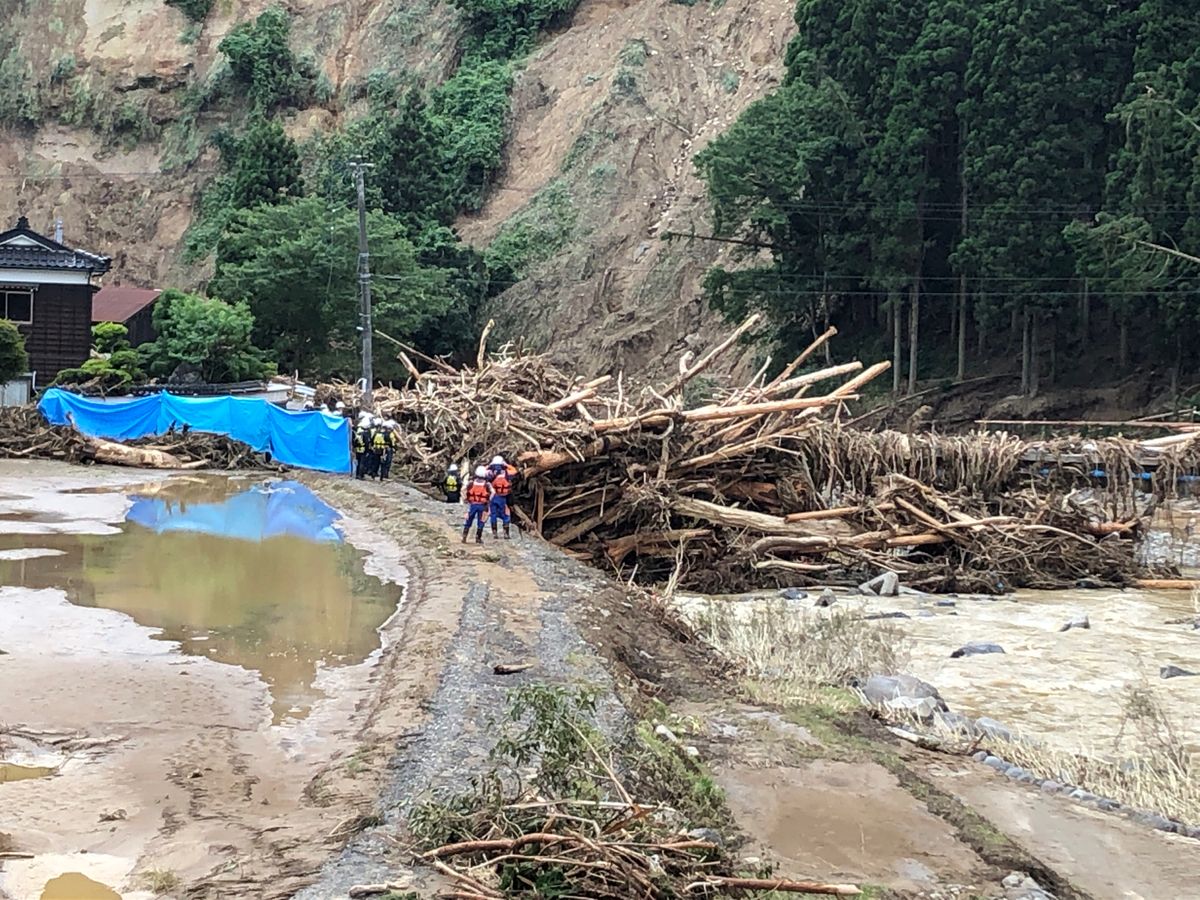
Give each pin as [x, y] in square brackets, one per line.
[25, 434]
[760, 485]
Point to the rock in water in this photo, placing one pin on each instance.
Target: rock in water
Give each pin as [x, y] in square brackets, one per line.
[976, 648]
[793, 593]
[1174, 672]
[993, 729]
[903, 693]
[956, 723]
[1077, 622]
[885, 585]
[827, 598]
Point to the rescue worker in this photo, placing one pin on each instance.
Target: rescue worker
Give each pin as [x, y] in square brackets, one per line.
[377, 446]
[392, 444]
[362, 446]
[496, 466]
[479, 493]
[501, 488]
[451, 486]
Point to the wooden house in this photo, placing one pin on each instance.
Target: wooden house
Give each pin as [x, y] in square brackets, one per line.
[128, 306]
[46, 290]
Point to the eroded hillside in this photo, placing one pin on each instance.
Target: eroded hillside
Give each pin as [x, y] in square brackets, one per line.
[607, 115]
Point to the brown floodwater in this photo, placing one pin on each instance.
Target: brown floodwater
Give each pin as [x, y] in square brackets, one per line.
[13, 772]
[246, 573]
[76, 886]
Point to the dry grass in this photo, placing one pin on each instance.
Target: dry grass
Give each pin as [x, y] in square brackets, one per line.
[791, 654]
[1147, 767]
[158, 881]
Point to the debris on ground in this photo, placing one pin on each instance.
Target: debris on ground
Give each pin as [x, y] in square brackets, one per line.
[763, 484]
[25, 434]
[566, 811]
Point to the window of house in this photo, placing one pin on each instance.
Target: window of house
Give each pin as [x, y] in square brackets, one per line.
[17, 306]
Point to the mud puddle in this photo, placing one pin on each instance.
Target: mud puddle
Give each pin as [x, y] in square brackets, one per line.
[188, 657]
[77, 886]
[14, 772]
[248, 574]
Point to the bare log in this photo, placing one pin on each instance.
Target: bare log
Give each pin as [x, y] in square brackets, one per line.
[123, 455]
[773, 884]
[707, 359]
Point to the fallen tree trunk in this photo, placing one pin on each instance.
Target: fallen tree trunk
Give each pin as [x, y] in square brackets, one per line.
[123, 455]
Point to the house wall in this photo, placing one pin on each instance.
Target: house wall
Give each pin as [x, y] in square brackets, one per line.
[61, 334]
[141, 326]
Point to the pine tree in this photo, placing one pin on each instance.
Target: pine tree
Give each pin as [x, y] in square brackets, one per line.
[266, 166]
[1034, 154]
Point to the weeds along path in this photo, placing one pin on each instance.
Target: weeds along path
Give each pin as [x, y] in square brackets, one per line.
[805, 783]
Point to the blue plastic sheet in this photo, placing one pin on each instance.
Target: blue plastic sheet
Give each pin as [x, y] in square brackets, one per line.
[309, 440]
[276, 509]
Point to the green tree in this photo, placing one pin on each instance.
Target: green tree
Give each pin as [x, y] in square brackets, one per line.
[13, 359]
[266, 166]
[469, 111]
[911, 177]
[1034, 154]
[114, 362]
[196, 10]
[504, 29]
[783, 179]
[295, 264]
[262, 62]
[210, 336]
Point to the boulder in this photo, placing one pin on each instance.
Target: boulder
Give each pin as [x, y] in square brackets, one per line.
[1077, 622]
[793, 593]
[956, 723]
[976, 648]
[1175, 672]
[885, 585]
[945, 603]
[827, 598]
[903, 693]
[993, 729]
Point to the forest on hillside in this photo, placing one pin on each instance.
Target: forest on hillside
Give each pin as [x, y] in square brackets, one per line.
[956, 180]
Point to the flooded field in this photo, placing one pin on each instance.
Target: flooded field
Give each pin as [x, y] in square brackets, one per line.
[178, 658]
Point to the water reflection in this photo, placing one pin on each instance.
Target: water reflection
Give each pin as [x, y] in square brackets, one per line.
[250, 575]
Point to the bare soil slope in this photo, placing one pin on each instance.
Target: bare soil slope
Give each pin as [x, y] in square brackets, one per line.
[615, 109]
[611, 111]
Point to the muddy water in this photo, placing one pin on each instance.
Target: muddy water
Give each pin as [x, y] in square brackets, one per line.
[189, 656]
[13, 772]
[248, 574]
[1064, 687]
[76, 886]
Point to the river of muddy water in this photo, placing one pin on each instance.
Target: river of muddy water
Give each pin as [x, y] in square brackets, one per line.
[177, 657]
[1067, 688]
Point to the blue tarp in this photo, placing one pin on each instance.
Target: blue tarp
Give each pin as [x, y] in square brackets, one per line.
[310, 440]
[277, 509]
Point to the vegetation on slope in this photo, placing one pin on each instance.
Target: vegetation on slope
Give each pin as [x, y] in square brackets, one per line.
[945, 174]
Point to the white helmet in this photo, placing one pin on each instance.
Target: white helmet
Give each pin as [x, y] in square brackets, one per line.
[364, 417]
[497, 460]
[481, 472]
[453, 467]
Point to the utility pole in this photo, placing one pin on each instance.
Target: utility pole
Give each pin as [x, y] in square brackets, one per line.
[364, 285]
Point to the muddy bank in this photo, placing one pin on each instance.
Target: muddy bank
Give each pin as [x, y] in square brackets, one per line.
[185, 683]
